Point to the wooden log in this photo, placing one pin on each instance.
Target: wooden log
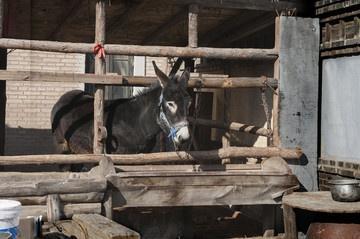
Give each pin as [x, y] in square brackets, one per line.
[68, 210]
[53, 209]
[233, 126]
[41, 188]
[111, 79]
[188, 168]
[193, 25]
[99, 227]
[137, 50]
[100, 69]
[65, 198]
[211, 156]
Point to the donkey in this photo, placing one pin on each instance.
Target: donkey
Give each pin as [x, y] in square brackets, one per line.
[132, 124]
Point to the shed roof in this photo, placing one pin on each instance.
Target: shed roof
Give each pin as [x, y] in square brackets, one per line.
[146, 22]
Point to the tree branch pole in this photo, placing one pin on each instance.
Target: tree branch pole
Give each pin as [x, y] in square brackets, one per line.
[235, 126]
[208, 157]
[100, 69]
[137, 50]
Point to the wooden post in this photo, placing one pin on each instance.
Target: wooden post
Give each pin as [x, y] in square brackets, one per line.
[53, 210]
[100, 69]
[3, 61]
[226, 138]
[193, 25]
[290, 222]
[275, 141]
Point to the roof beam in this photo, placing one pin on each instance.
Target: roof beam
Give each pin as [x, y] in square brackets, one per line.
[262, 5]
[248, 28]
[120, 20]
[64, 17]
[224, 28]
[168, 23]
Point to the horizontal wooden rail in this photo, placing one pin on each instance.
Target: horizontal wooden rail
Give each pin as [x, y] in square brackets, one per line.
[40, 188]
[233, 126]
[110, 79]
[68, 210]
[211, 156]
[200, 52]
[93, 197]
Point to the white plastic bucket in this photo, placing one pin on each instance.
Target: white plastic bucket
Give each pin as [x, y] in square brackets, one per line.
[9, 216]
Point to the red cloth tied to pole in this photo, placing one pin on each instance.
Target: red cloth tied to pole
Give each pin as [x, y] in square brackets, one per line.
[99, 50]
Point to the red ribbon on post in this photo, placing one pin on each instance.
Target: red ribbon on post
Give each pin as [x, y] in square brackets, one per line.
[99, 50]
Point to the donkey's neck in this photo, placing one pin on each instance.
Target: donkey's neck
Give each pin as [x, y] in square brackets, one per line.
[147, 104]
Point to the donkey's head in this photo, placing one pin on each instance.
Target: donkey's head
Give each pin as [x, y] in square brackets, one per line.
[174, 103]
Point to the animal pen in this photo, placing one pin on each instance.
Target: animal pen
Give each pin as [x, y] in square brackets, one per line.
[182, 178]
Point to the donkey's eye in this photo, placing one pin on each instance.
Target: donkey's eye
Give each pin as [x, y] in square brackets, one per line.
[171, 106]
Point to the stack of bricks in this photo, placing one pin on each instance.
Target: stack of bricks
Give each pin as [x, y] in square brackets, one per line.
[29, 104]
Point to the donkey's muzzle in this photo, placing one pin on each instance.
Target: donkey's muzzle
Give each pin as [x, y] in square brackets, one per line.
[182, 135]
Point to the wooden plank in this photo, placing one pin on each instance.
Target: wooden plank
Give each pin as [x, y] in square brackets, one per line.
[39, 176]
[212, 156]
[298, 92]
[111, 79]
[319, 202]
[275, 140]
[163, 179]
[112, 49]
[199, 190]
[52, 187]
[68, 210]
[100, 69]
[99, 227]
[290, 223]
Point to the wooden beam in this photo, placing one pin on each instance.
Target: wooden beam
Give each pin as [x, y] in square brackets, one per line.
[234, 126]
[3, 63]
[211, 156]
[65, 198]
[99, 227]
[231, 24]
[67, 12]
[253, 25]
[40, 188]
[193, 25]
[68, 210]
[260, 5]
[195, 81]
[121, 19]
[200, 52]
[276, 98]
[169, 23]
[100, 69]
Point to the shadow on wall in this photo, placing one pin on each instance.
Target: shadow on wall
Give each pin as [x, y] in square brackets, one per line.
[22, 141]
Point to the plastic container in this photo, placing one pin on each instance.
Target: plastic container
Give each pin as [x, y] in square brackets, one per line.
[9, 217]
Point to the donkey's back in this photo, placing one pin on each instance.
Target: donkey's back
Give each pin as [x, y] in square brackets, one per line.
[71, 117]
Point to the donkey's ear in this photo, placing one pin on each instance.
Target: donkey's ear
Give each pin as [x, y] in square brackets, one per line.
[163, 79]
[184, 78]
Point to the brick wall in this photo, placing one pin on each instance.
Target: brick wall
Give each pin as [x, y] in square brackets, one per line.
[29, 103]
